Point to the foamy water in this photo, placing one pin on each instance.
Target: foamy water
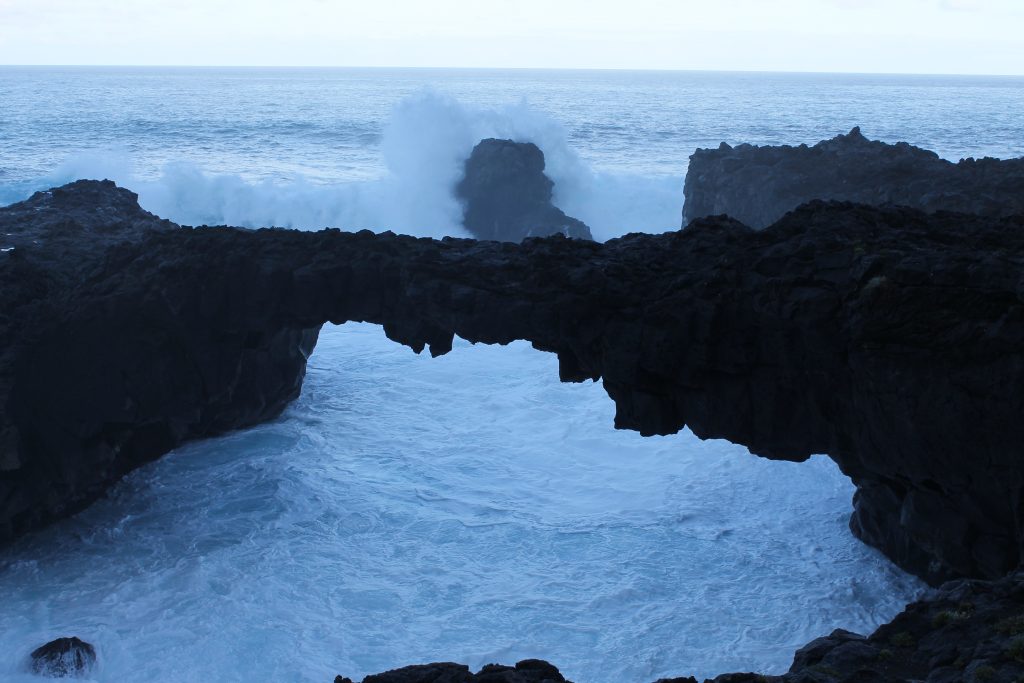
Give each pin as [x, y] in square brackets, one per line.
[383, 148]
[469, 508]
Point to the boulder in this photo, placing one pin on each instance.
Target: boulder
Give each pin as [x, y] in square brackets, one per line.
[63, 658]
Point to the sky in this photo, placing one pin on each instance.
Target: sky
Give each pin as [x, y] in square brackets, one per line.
[875, 36]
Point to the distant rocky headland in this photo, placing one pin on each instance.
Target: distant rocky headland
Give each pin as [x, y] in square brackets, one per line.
[757, 185]
[889, 338]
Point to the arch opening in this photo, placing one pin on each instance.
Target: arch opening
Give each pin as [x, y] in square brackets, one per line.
[471, 506]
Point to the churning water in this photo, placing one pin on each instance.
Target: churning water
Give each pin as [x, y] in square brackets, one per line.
[469, 507]
[375, 148]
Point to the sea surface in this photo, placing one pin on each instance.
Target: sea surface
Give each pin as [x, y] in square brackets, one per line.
[470, 507]
[379, 149]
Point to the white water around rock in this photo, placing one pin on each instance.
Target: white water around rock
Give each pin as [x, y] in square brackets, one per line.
[469, 508]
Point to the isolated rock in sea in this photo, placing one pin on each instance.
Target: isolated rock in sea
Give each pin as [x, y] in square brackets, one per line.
[758, 185]
[64, 658]
[507, 197]
[526, 671]
[889, 339]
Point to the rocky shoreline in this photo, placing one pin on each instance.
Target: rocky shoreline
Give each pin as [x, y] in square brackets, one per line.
[888, 338]
[968, 631]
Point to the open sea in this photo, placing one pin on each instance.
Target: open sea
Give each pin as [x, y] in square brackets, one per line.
[469, 507]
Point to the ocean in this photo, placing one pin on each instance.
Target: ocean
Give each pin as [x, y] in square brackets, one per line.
[379, 149]
[470, 508]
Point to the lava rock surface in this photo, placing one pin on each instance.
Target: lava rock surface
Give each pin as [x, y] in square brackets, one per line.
[129, 384]
[758, 185]
[507, 197]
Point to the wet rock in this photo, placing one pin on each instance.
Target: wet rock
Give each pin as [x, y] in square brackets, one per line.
[199, 384]
[508, 197]
[63, 658]
[758, 185]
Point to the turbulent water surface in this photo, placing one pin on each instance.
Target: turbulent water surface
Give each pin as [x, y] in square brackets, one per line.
[468, 507]
[378, 148]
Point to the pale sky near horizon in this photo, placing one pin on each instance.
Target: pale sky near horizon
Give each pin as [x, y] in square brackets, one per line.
[884, 36]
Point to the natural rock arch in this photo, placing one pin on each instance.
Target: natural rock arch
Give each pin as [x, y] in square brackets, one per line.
[889, 339]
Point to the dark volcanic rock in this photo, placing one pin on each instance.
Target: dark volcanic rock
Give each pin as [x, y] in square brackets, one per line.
[757, 185]
[87, 401]
[526, 671]
[967, 631]
[507, 196]
[63, 658]
[890, 339]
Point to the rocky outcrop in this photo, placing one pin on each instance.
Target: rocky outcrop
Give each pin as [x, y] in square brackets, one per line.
[118, 387]
[758, 185]
[968, 631]
[63, 658]
[526, 671]
[889, 339]
[507, 197]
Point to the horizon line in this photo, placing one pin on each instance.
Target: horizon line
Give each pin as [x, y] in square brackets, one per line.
[512, 68]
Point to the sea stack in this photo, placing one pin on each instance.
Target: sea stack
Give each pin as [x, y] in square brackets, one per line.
[507, 196]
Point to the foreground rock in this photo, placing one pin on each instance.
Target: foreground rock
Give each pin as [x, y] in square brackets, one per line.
[63, 658]
[872, 335]
[112, 391]
[508, 197]
[968, 631]
[758, 185]
[526, 671]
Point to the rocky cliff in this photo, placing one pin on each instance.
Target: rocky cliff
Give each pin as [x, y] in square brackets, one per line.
[87, 398]
[757, 185]
[889, 339]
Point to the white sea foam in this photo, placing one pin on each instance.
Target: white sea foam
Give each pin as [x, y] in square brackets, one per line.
[424, 145]
[470, 508]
